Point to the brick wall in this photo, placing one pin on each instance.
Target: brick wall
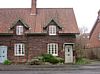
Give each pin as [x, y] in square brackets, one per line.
[35, 45]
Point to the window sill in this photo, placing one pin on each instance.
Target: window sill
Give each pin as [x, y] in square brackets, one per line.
[52, 34]
[21, 55]
[55, 54]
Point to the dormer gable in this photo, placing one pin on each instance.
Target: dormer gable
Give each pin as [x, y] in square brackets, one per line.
[19, 22]
[19, 27]
[52, 22]
[52, 27]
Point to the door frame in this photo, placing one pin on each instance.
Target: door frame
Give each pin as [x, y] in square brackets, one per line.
[72, 44]
[2, 46]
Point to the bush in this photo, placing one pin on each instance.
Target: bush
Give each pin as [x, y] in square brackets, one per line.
[61, 60]
[51, 59]
[82, 61]
[54, 60]
[7, 62]
[40, 58]
[35, 62]
[47, 57]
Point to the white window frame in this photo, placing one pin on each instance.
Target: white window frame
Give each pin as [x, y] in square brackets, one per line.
[19, 30]
[52, 30]
[99, 36]
[22, 49]
[52, 48]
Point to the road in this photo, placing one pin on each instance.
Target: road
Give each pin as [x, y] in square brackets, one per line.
[95, 69]
[53, 72]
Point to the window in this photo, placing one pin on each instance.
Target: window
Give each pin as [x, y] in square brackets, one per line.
[19, 49]
[87, 36]
[99, 17]
[53, 49]
[99, 36]
[19, 30]
[52, 30]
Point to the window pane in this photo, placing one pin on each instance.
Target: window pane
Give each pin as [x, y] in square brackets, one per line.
[53, 49]
[19, 49]
[52, 30]
[19, 30]
[23, 49]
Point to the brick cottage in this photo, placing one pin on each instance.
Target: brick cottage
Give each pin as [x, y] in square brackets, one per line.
[29, 32]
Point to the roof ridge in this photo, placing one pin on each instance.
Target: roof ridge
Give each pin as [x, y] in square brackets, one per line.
[37, 8]
[54, 8]
[14, 8]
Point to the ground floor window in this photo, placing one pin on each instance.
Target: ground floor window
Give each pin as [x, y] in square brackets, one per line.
[19, 49]
[53, 49]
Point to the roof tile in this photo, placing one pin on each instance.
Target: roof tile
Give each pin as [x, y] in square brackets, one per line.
[65, 17]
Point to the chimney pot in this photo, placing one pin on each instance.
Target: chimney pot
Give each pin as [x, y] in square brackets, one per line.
[33, 7]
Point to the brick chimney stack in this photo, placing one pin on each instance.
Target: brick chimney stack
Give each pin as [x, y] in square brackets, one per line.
[99, 14]
[33, 7]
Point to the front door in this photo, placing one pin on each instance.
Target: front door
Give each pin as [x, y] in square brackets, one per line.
[3, 53]
[68, 54]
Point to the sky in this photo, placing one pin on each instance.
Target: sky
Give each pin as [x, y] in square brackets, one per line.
[86, 11]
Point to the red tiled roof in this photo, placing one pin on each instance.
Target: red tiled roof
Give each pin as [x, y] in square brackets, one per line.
[96, 22]
[65, 17]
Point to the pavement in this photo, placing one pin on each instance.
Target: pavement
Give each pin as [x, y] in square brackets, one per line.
[93, 66]
[36, 67]
[47, 67]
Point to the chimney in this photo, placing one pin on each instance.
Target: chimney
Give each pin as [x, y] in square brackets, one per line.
[99, 14]
[33, 7]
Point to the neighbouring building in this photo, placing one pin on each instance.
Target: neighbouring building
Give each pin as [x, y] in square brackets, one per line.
[93, 50]
[95, 34]
[29, 32]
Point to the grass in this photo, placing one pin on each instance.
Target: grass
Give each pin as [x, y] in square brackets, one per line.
[82, 61]
[7, 62]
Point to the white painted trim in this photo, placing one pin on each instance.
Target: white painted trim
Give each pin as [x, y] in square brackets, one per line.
[52, 30]
[67, 44]
[19, 30]
[16, 46]
[50, 44]
[71, 54]
[33, 14]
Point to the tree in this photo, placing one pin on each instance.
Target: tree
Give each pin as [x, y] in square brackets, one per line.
[82, 41]
[83, 30]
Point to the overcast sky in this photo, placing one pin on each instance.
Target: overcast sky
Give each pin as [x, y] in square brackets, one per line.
[86, 11]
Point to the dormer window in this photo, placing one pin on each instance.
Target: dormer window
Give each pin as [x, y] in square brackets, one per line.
[19, 30]
[52, 30]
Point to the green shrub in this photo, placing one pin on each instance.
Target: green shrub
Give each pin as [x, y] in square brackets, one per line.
[47, 57]
[51, 59]
[54, 60]
[7, 62]
[82, 61]
[61, 60]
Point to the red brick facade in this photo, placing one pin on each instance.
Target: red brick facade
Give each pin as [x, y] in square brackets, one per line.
[35, 45]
